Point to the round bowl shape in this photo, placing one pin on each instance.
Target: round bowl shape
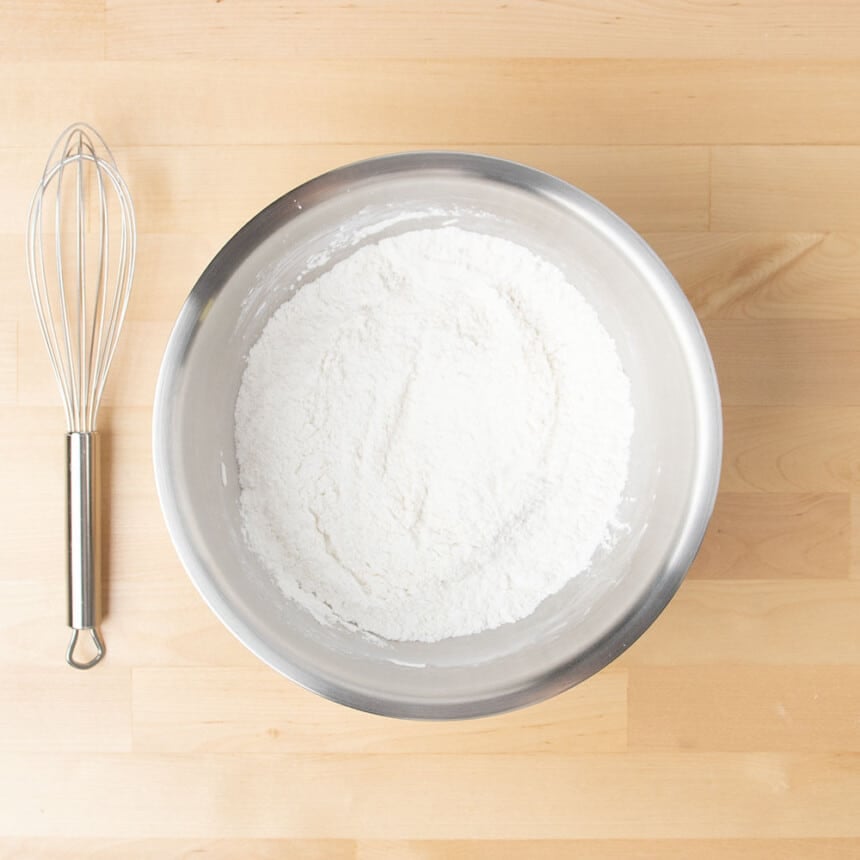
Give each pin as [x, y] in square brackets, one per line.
[675, 450]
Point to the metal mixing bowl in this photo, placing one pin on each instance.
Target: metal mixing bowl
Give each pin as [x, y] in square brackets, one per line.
[676, 447]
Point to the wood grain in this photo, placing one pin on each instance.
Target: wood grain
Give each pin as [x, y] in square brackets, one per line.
[654, 187]
[755, 623]
[432, 849]
[95, 715]
[854, 567]
[480, 28]
[777, 536]
[792, 188]
[742, 708]
[770, 276]
[283, 719]
[321, 796]
[182, 849]
[8, 361]
[399, 101]
[782, 449]
[728, 133]
[787, 362]
[611, 849]
[53, 30]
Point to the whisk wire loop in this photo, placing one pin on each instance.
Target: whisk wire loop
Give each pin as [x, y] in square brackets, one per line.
[81, 314]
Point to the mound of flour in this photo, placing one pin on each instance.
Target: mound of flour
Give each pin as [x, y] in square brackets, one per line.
[432, 437]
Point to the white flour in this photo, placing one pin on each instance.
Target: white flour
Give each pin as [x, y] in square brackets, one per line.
[432, 437]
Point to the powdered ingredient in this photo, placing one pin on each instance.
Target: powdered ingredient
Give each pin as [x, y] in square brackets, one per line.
[432, 437]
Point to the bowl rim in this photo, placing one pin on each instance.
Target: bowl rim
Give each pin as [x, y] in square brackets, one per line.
[614, 640]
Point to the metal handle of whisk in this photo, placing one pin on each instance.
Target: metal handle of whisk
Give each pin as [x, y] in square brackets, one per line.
[82, 525]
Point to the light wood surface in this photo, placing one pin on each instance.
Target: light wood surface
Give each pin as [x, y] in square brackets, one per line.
[729, 134]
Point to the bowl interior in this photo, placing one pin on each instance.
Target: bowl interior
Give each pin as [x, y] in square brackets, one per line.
[675, 447]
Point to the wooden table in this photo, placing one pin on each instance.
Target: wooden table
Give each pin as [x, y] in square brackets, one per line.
[729, 134]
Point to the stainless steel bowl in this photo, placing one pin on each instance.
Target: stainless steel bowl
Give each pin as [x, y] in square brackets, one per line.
[676, 447]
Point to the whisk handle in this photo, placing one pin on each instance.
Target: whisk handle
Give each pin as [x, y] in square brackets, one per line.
[82, 527]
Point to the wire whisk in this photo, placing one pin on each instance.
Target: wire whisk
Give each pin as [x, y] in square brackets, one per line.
[81, 243]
